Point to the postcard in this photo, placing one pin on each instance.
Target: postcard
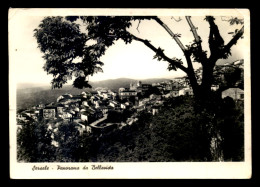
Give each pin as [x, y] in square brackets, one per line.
[129, 93]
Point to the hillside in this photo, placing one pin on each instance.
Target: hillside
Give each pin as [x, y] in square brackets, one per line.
[30, 95]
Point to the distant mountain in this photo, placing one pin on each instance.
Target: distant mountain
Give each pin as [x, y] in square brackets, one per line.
[112, 84]
[115, 84]
[33, 94]
[33, 85]
[154, 80]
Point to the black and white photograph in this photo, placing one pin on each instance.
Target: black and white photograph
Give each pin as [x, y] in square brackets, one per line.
[129, 93]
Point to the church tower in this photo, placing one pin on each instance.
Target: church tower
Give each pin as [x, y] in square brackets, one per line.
[139, 83]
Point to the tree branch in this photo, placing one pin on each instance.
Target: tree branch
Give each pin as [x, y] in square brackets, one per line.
[234, 40]
[216, 42]
[138, 25]
[193, 29]
[177, 20]
[161, 53]
[197, 51]
[175, 37]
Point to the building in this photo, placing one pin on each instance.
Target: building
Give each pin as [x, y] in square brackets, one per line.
[59, 109]
[22, 118]
[155, 110]
[145, 87]
[76, 99]
[131, 120]
[84, 115]
[163, 85]
[114, 104]
[176, 85]
[143, 101]
[167, 95]
[139, 87]
[104, 109]
[40, 106]
[168, 87]
[174, 93]
[155, 84]
[103, 93]
[123, 106]
[88, 129]
[140, 108]
[214, 87]
[134, 86]
[234, 93]
[85, 94]
[49, 112]
[64, 97]
[84, 103]
[186, 91]
[127, 93]
[68, 99]
[154, 96]
[66, 115]
[94, 99]
[113, 94]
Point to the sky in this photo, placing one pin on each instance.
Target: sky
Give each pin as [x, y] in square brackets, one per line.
[134, 60]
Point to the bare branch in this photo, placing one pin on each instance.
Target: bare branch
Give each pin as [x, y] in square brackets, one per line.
[138, 25]
[198, 54]
[177, 20]
[186, 52]
[171, 33]
[234, 40]
[193, 29]
[161, 53]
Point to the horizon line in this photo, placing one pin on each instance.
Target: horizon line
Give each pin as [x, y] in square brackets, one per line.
[103, 80]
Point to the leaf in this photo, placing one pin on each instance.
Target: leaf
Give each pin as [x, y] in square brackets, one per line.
[177, 35]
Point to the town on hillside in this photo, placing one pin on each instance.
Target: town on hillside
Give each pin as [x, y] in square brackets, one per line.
[102, 109]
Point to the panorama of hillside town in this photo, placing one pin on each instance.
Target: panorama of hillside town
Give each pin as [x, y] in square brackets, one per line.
[101, 110]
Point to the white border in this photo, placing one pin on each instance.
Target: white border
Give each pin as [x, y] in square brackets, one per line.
[181, 170]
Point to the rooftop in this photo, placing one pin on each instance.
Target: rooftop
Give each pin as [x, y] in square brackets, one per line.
[128, 91]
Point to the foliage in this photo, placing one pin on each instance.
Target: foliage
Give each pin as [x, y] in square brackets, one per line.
[179, 133]
[232, 76]
[114, 117]
[235, 20]
[231, 125]
[34, 143]
[68, 140]
[228, 77]
[183, 133]
[62, 42]
[118, 117]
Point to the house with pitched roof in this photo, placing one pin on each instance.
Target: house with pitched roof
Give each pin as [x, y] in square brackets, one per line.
[234, 93]
[186, 91]
[126, 93]
[49, 112]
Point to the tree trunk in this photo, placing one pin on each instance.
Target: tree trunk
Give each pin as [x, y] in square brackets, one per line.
[203, 92]
[194, 84]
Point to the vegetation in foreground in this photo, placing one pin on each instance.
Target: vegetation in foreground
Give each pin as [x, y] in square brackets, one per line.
[182, 131]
